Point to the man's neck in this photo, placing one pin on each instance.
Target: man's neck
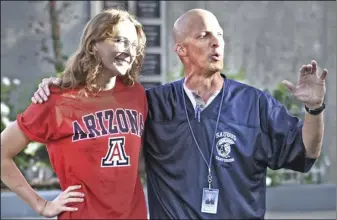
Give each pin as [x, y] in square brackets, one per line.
[204, 86]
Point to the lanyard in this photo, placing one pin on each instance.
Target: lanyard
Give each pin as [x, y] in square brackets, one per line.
[209, 177]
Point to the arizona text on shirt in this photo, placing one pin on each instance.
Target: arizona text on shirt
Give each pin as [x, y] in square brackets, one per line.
[107, 122]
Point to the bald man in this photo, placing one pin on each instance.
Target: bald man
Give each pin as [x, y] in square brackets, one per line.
[208, 136]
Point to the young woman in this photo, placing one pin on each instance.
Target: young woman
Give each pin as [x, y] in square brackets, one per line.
[92, 127]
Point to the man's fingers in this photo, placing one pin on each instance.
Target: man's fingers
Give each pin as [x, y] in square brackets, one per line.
[56, 81]
[48, 80]
[309, 69]
[314, 66]
[289, 85]
[303, 70]
[37, 97]
[46, 90]
[51, 81]
[68, 209]
[42, 94]
[324, 74]
[33, 100]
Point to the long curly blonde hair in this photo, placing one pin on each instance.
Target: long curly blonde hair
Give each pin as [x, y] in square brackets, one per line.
[85, 65]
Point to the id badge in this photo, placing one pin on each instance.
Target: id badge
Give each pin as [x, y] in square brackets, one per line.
[209, 202]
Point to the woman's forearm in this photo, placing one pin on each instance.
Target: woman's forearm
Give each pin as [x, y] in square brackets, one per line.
[15, 181]
[13, 141]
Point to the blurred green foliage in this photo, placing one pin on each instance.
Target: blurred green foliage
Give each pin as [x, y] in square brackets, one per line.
[8, 114]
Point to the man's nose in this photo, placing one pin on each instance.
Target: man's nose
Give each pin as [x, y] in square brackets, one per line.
[215, 42]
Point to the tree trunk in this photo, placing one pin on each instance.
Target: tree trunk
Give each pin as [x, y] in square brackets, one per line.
[55, 34]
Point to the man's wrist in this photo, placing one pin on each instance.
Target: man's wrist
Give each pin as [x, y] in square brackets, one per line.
[315, 110]
[314, 106]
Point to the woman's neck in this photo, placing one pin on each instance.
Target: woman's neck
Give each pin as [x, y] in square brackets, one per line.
[107, 80]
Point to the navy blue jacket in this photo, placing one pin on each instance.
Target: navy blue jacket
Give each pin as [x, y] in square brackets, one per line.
[254, 132]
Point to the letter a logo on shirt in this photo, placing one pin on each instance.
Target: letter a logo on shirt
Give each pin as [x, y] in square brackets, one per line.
[116, 155]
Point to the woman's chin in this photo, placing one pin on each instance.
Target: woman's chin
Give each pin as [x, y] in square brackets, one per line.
[121, 71]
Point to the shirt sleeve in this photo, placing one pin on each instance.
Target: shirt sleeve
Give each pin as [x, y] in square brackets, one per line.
[284, 131]
[38, 122]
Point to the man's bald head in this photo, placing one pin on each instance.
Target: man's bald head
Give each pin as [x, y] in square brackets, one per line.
[199, 42]
[185, 23]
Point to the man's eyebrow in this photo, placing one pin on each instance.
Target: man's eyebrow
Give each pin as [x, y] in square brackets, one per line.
[201, 32]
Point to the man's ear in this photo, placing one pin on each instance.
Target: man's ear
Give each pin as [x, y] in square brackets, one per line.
[180, 50]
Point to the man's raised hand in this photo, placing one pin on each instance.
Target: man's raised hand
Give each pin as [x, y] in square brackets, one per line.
[310, 88]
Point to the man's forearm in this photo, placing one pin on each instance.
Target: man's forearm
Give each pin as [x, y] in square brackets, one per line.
[313, 130]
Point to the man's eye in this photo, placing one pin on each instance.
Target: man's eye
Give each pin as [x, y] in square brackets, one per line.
[203, 35]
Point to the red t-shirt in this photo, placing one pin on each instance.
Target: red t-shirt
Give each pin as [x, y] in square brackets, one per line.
[94, 142]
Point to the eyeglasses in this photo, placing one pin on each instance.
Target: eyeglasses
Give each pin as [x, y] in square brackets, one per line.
[125, 44]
